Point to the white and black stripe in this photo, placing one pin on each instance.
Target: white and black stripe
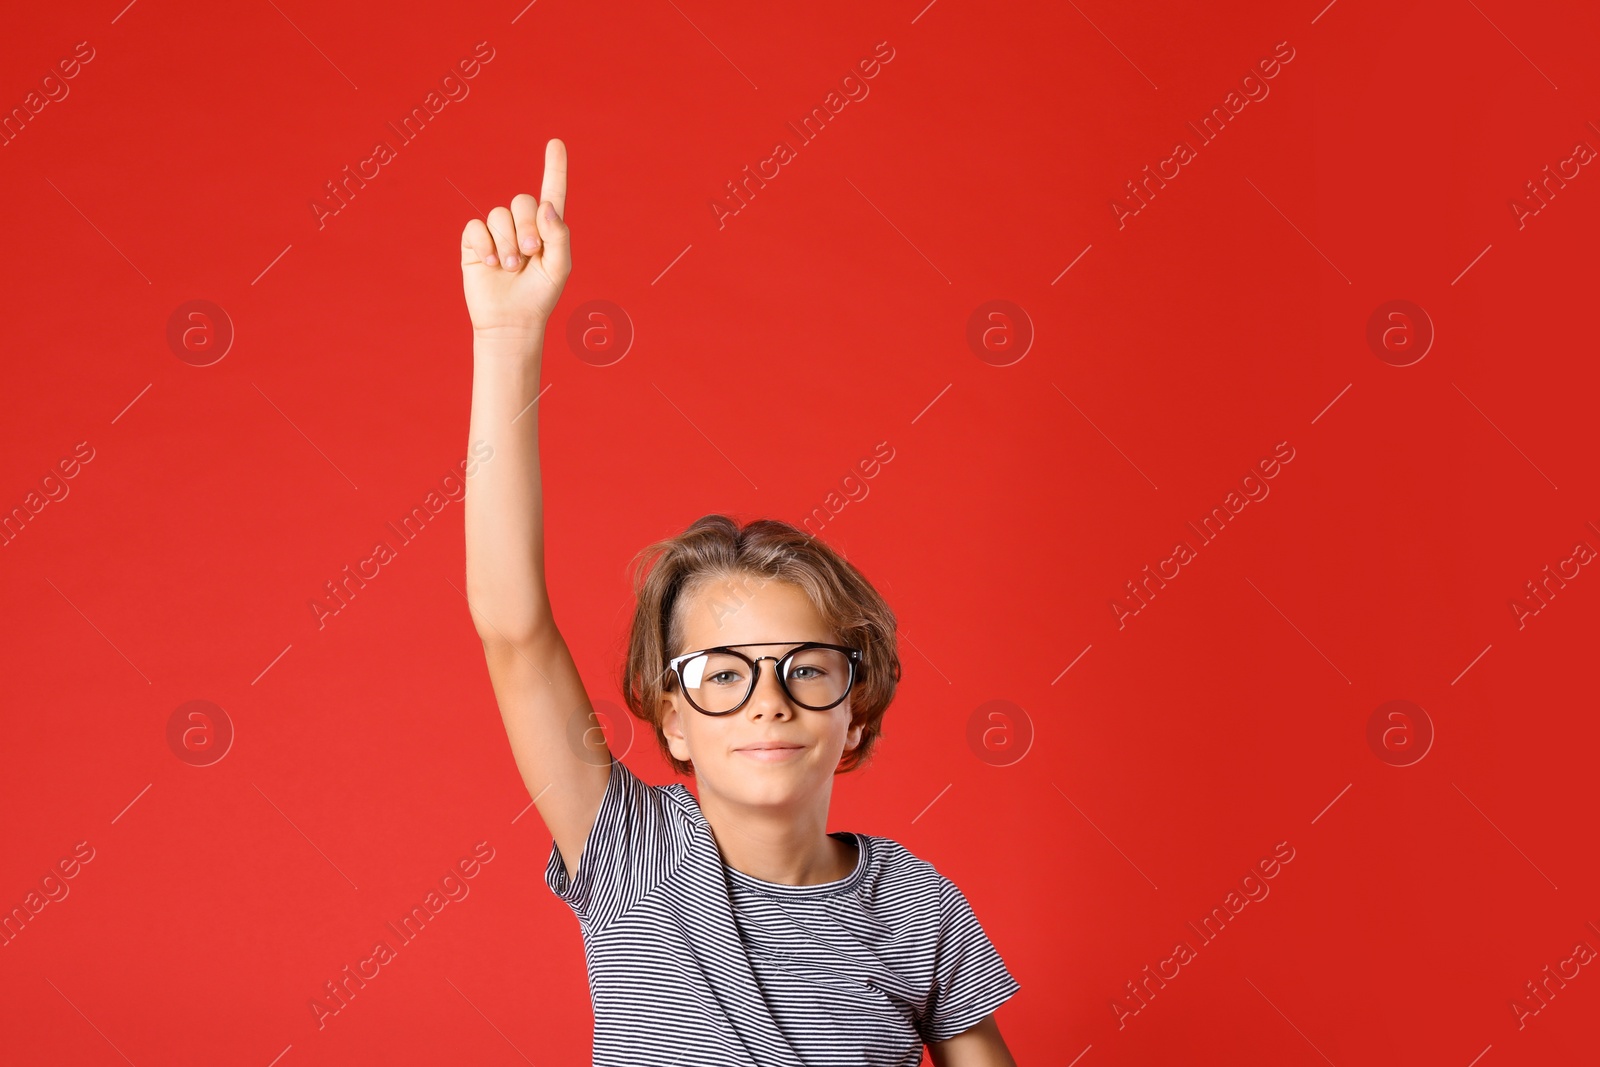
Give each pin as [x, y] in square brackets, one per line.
[694, 964]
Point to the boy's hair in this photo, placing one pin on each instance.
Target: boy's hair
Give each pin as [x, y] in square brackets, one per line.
[716, 548]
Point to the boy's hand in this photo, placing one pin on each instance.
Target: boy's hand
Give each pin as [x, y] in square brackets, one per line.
[515, 264]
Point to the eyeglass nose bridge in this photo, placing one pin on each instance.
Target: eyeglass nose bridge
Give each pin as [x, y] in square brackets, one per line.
[755, 680]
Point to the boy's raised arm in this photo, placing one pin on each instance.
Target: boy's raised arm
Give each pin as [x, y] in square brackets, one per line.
[514, 265]
[513, 270]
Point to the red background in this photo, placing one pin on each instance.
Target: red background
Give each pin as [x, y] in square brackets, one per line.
[771, 355]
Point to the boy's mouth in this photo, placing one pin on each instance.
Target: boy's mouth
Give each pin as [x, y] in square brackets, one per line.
[770, 751]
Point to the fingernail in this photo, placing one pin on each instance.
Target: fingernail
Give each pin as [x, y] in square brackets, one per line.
[490, 259]
[527, 243]
[511, 262]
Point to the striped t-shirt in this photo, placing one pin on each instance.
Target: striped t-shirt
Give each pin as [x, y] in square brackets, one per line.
[695, 964]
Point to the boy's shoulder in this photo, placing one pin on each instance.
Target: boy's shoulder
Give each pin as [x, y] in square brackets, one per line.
[903, 871]
[676, 794]
[912, 895]
[889, 848]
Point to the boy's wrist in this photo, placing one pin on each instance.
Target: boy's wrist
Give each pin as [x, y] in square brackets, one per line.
[509, 341]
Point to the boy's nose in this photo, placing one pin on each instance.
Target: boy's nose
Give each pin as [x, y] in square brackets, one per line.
[769, 697]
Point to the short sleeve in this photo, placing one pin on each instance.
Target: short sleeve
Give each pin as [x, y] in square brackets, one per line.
[633, 847]
[970, 979]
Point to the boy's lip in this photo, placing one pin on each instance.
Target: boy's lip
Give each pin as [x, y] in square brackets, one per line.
[769, 744]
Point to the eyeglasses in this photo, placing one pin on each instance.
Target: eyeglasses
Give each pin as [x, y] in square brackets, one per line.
[719, 681]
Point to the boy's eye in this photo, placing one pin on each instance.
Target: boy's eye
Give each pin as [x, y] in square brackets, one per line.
[723, 677]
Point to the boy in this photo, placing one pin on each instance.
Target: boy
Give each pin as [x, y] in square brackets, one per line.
[728, 928]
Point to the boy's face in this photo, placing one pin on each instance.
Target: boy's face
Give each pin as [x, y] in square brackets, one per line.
[741, 613]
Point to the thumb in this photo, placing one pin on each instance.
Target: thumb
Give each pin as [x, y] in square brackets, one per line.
[557, 238]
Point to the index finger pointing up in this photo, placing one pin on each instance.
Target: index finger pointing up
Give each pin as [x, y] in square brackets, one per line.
[555, 176]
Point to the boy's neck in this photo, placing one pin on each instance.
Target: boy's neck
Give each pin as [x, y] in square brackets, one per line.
[785, 847]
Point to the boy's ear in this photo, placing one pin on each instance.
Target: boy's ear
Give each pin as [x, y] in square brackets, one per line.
[853, 738]
[672, 728]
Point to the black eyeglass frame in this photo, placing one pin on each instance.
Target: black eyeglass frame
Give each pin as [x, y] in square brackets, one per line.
[853, 657]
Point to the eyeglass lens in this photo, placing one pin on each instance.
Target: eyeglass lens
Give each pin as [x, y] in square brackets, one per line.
[719, 681]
